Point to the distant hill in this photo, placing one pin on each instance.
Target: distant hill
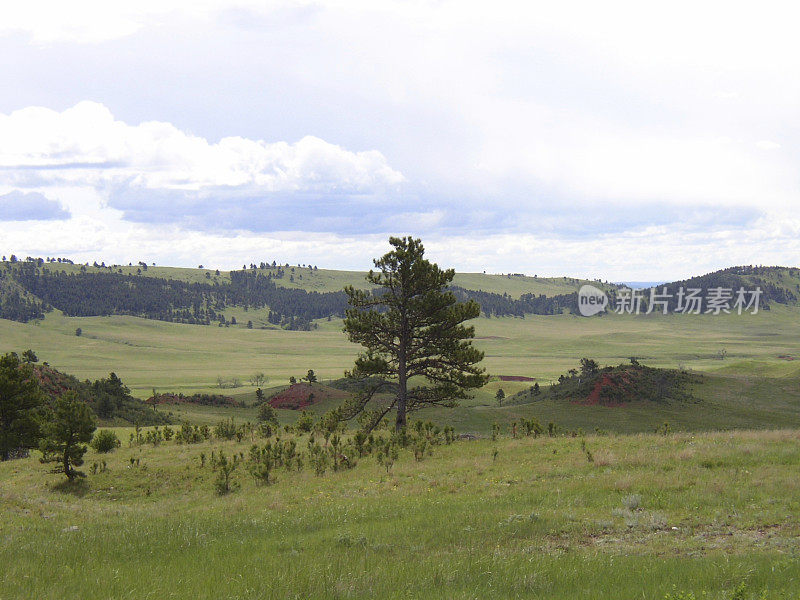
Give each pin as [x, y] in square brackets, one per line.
[779, 284]
[291, 297]
[294, 297]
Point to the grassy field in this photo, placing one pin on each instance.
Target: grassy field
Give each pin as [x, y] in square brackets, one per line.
[714, 515]
[700, 513]
[754, 386]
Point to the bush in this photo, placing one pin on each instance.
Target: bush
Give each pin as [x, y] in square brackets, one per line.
[104, 441]
[225, 430]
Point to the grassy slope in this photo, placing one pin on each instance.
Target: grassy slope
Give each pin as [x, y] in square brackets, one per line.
[325, 280]
[716, 511]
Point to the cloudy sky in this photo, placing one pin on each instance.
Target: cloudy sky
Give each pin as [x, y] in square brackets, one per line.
[621, 140]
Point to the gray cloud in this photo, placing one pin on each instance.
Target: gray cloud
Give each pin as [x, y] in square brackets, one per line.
[30, 206]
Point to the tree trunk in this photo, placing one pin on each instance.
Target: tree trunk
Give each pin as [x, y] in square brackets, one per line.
[65, 463]
[402, 376]
[402, 382]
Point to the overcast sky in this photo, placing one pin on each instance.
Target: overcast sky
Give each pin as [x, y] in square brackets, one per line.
[626, 141]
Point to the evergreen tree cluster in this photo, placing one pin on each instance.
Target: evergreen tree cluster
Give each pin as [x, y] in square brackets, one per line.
[15, 304]
[87, 294]
[28, 291]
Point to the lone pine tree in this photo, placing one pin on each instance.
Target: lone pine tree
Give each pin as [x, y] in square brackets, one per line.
[66, 434]
[417, 347]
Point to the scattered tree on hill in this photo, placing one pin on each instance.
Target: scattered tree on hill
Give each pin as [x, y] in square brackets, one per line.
[500, 396]
[79, 332]
[310, 377]
[536, 390]
[259, 396]
[66, 433]
[257, 379]
[411, 327]
[292, 380]
[29, 356]
[589, 367]
[20, 398]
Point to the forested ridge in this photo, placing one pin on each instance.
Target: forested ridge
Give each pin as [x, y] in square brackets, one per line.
[28, 291]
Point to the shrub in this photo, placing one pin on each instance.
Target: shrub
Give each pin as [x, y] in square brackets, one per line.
[224, 484]
[105, 440]
[261, 464]
[632, 502]
[225, 430]
[305, 422]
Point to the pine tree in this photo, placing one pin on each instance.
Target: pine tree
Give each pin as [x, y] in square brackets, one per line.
[413, 332]
[20, 397]
[66, 434]
[500, 396]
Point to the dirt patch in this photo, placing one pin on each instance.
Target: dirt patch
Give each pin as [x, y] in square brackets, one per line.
[515, 378]
[300, 395]
[607, 387]
[787, 357]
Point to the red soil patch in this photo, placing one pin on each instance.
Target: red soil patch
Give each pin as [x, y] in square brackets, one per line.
[515, 378]
[605, 385]
[300, 395]
[786, 357]
[54, 383]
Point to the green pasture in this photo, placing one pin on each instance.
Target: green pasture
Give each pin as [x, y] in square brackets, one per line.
[714, 515]
[756, 384]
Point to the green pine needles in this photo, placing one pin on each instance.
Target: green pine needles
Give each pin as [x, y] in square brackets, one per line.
[418, 352]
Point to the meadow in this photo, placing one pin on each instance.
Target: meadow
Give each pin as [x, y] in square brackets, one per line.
[606, 508]
[650, 516]
[754, 385]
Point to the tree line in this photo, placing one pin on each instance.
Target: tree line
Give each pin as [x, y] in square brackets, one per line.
[28, 291]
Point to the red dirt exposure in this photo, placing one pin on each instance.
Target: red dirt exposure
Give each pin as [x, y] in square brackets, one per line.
[300, 395]
[54, 383]
[515, 378]
[607, 387]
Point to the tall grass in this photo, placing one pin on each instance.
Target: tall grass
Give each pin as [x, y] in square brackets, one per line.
[538, 521]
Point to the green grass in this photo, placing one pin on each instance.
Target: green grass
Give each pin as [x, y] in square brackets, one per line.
[714, 511]
[751, 387]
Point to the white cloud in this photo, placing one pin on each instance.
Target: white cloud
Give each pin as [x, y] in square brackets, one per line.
[85, 144]
[520, 117]
[767, 145]
[660, 253]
